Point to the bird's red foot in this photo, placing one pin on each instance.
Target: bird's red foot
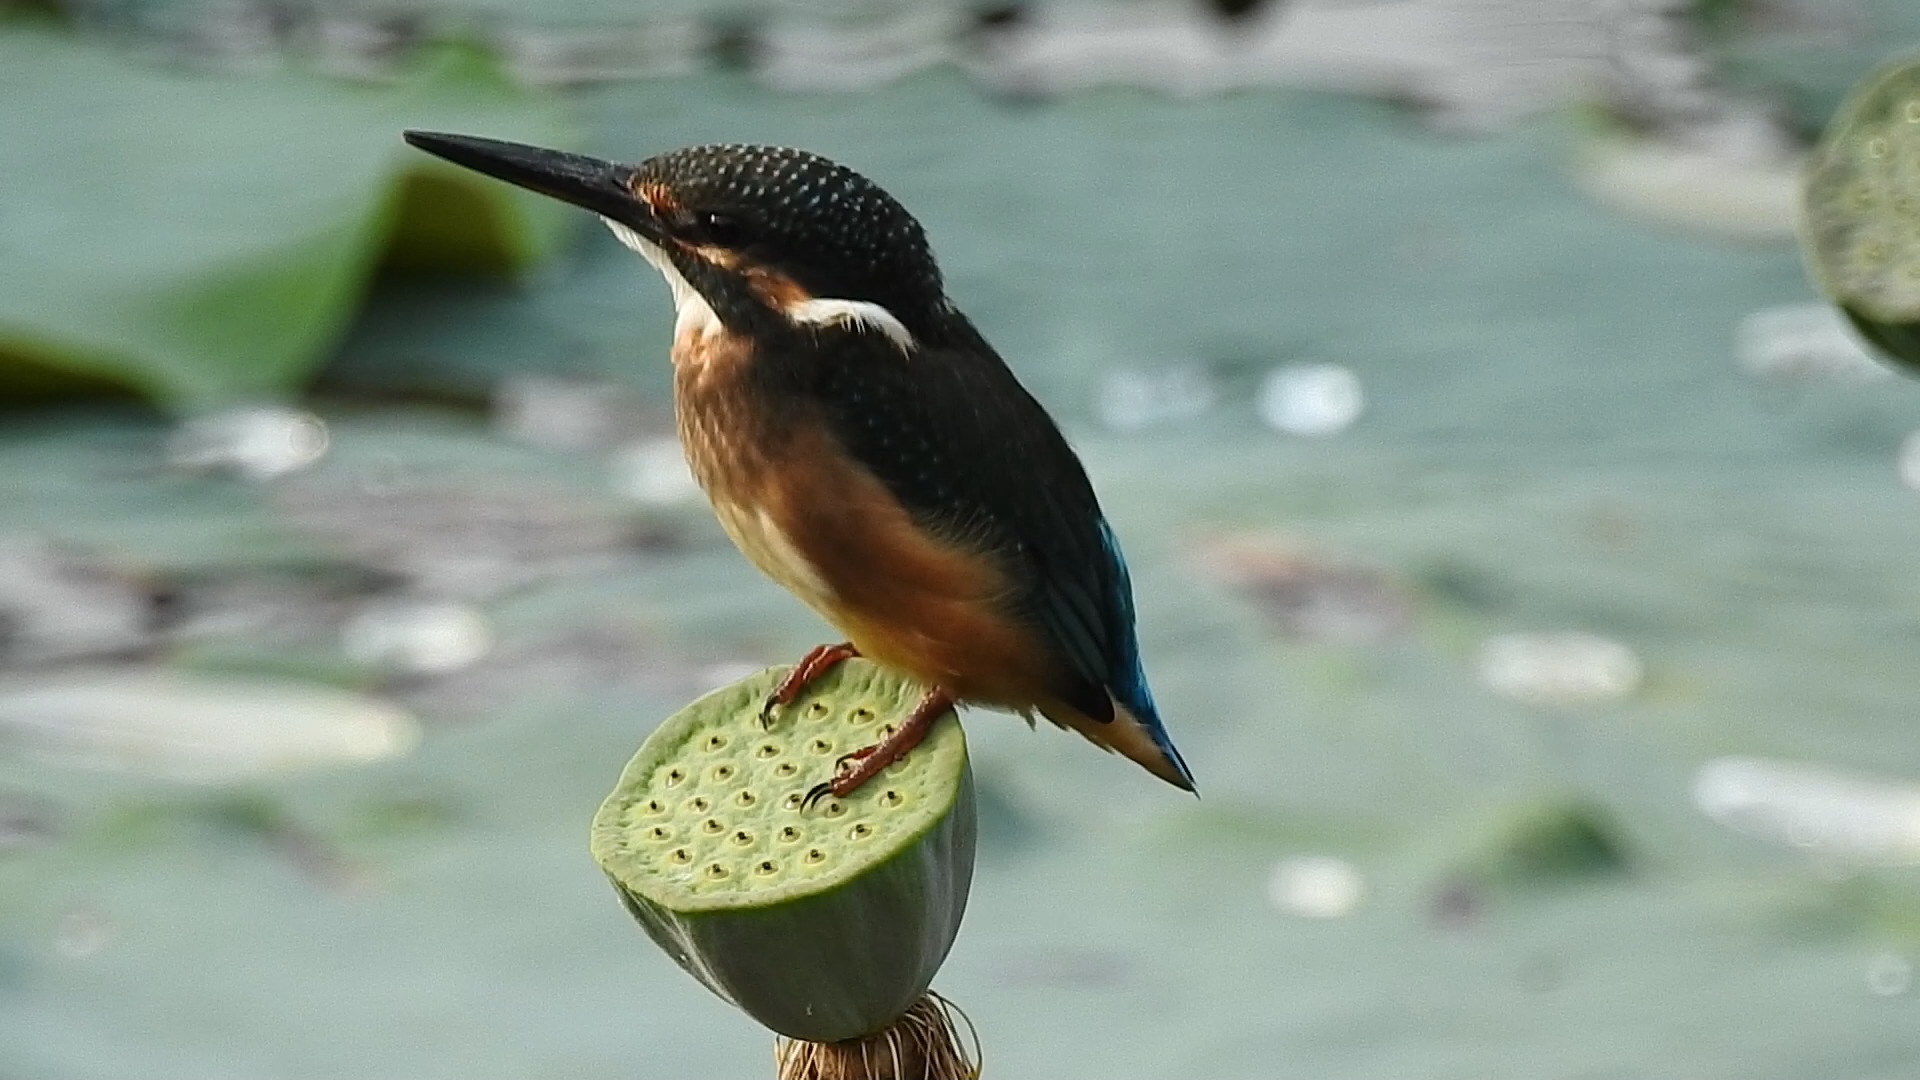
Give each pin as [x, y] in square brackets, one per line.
[855, 769]
[818, 661]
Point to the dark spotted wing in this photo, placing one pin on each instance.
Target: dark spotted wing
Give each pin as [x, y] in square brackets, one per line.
[971, 455]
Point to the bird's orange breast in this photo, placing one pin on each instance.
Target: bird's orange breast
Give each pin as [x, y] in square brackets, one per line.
[812, 518]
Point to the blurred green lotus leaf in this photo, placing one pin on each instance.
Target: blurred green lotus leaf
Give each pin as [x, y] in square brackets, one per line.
[1539, 842]
[1861, 222]
[200, 238]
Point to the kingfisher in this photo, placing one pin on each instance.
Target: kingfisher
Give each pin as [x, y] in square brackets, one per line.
[863, 445]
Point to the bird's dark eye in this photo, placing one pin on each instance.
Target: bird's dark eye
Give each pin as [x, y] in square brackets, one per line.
[720, 228]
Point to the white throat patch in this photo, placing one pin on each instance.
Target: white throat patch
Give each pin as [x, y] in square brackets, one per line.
[693, 316]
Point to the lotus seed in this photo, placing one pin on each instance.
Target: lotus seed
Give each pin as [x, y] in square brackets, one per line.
[716, 742]
[861, 715]
[816, 710]
[723, 773]
[680, 855]
[766, 867]
[793, 801]
[815, 855]
[744, 799]
[743, 838]
[820, 746]
[654, 806]
[789, 834]
[674, 776]
[659, 833]
[836, 808]
[698, 804]
[766, 750]
[860, 831]
[712, 827]
[715, 871]
[891, 799]
[785, 768]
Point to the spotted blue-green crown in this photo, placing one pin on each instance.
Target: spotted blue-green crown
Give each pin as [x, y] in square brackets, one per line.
[837, 232]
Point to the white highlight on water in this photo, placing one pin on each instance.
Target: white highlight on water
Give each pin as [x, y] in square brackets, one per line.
[1819, 810]
[1311, 399]
[1570, 668]
[1315, 886]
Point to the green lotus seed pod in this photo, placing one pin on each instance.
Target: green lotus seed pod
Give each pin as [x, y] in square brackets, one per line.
[1860, 226]
[823, 924]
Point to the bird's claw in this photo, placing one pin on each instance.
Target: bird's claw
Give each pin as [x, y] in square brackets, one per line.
[815, 795]
[841, 763]
[803, 674]
[843, 770]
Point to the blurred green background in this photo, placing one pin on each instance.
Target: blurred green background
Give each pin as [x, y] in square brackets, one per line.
[1525, 553]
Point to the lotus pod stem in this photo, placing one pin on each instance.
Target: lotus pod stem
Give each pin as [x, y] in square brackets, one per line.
[924, 1044]
[1860, 203]
[824, 924]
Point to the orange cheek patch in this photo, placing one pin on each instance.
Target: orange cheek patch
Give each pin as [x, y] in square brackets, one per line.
[771, 287]
[658, 197]
[725, 258]
[776, 290]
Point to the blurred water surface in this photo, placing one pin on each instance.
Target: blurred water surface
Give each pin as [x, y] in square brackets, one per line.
[1558, 437]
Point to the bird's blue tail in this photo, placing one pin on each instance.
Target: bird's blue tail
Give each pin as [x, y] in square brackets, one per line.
[1127, 678]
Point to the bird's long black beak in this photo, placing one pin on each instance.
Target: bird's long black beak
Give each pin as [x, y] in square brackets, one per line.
[589, 183]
